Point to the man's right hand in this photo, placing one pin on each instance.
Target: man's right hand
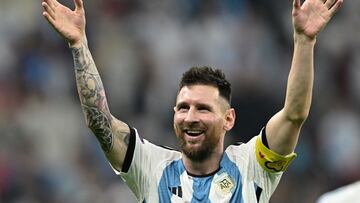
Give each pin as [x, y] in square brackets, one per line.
[69, 24]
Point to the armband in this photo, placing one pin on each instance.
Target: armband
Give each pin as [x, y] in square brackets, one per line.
[270, 160]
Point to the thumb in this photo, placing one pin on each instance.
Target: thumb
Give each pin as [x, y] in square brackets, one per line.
[78, 5]
[296, 7]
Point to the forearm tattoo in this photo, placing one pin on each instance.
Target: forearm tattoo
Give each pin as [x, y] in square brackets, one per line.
[92, 97]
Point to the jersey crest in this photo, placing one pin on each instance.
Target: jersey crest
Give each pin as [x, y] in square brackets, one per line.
[224, 184]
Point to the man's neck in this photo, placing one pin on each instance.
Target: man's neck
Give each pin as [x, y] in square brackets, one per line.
[206, 167]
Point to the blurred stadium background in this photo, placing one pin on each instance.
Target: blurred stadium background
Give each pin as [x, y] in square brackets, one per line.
[141, 48]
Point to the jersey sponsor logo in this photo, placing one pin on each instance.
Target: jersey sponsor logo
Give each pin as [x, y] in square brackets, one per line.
[176, 191]
[224, 184]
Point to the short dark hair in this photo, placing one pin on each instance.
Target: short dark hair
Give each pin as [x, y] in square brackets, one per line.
[206, 75]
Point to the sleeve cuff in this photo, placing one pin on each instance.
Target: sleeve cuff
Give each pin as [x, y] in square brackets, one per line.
[130, 151]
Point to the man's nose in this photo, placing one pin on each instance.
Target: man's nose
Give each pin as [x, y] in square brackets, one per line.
[192, 116]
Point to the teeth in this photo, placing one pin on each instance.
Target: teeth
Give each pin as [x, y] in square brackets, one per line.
[194, 131]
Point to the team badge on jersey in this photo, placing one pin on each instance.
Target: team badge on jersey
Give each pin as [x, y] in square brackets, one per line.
[224, 184]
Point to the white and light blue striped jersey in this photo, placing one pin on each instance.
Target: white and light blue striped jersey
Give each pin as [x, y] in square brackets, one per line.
[157, 174]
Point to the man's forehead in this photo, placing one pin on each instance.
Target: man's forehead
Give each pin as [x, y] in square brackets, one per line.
[204, 94]
[200, 90]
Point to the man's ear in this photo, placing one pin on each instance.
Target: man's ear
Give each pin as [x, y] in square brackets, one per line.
[230, 117]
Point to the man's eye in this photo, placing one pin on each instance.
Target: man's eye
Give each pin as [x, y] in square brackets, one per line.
[182, 108]
[204, 109]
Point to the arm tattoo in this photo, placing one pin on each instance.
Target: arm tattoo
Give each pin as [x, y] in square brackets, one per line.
[92, 97]
[100, 124]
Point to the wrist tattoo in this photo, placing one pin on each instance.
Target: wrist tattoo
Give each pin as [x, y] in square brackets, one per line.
[82, 58]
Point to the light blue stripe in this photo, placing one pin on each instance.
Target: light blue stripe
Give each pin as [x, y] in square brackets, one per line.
[170, 178]
[201, 189]
[230, 167]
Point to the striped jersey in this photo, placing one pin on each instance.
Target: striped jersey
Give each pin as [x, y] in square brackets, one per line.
[157, 174]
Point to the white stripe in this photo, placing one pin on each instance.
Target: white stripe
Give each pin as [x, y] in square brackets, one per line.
[216, 195]
[187, 187]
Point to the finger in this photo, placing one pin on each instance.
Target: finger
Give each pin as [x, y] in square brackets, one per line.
[78, 4]
[48, 10]
[335, 7]
[329, 3]
[296, 4]
[52, 3]
[49, 18]
[296, 7]
[49, 2]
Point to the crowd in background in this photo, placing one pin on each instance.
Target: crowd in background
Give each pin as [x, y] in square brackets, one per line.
[141, 48]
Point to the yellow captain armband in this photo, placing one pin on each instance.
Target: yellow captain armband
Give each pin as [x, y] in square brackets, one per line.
[270, 160]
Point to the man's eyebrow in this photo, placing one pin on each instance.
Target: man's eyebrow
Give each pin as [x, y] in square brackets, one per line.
[198, 105]
[181, 104]
[203, 105]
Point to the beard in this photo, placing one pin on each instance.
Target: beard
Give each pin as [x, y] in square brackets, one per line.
[202, 152]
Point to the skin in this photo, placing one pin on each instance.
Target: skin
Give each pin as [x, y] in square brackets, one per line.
[112, 134]
[200, 107]
[282, 129]
[309, 19]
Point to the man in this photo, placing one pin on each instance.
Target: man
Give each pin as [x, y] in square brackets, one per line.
[202, 171]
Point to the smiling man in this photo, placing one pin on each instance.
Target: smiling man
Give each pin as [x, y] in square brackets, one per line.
[203, 171]
[202, 117]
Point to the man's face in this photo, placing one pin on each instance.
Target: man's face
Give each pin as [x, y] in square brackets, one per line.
[200, 121]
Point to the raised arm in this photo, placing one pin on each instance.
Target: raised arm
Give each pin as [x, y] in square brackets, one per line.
[309, 19]
[112, 134]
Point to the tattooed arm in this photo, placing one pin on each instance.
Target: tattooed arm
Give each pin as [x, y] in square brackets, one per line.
[112, 134]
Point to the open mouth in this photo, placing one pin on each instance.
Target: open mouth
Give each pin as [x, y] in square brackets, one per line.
[194, 133]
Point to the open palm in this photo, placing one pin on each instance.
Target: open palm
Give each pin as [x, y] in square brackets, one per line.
[313, 15]
[69, 24]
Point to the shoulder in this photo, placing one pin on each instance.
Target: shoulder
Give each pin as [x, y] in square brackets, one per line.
[241, 146]
[148, 149]
[143, 152]
[240, 152]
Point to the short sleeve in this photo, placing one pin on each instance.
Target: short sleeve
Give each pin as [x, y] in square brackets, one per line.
[258, 184]
[142, 160]
[131, 172]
